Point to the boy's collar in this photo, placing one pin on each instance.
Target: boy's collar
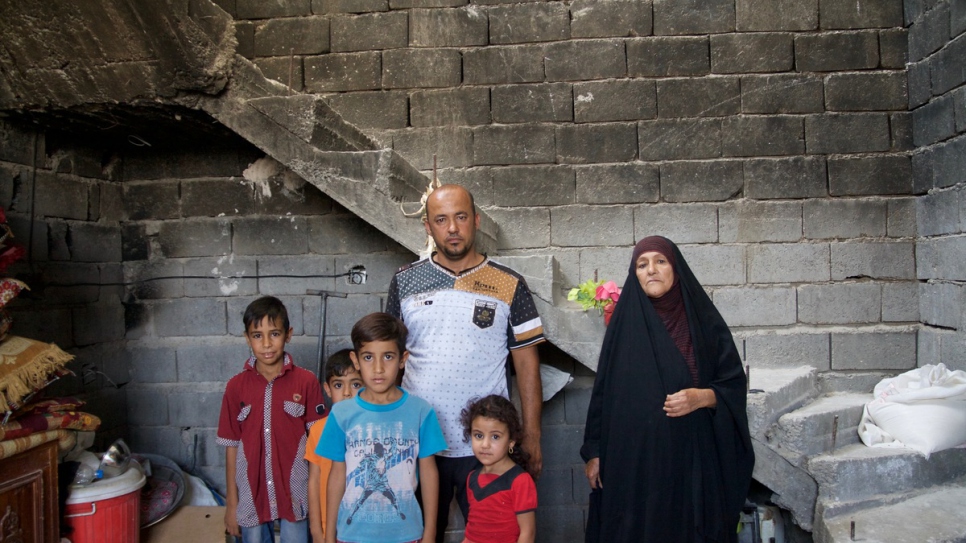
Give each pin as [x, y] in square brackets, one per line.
[287, 363]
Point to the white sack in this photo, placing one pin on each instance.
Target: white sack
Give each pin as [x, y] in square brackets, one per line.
[923, 409]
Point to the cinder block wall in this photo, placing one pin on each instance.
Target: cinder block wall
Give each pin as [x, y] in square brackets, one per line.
[937, 98]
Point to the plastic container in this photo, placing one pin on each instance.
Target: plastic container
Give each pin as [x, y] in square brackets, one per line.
[108, 510]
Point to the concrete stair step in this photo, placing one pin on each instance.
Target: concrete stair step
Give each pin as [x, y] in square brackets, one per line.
[855, 473]
[932, 516]
[776, 392]
[829, 422]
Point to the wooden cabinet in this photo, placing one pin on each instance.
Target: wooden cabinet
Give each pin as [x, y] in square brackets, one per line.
[28, 496]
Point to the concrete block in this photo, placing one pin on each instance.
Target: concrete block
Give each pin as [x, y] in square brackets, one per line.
[561, 444]
[622, 100]
[893, 48]
[758, 15]
[847, 133]
[902, 218]
[682, 223]
[60, 196]
[155, 279]
[868, 176]
[938, 212]
[380, 268]
[192, 163]
[377, 109]
[700, 181]
[900, 302]
[765, 135]
[582, 226]
[340, 316]
[928, 34]
[17, 144]
[148, 406]
[592, 19]
[844, 219]
[529, 22]
[101, 322]
[521, 227]
[941, 258]
[47, 325]
[760, 221]
[873, 91]
[848, 15]
[135, 244]
[577, 400]
[788, 350]
[668, 56]
[591, 143]
[558, 523]
[337, 72]
[793, 177]
[194, 409]
[556, 486]
[923, 168]
[782, 93]
[949, 163]
[461, 107]
[202, 237]
[403, 4]
[928, 346]
[552, 102]
[369, 31]
[874, 350]
[349, 6]
[245, 35]
[693, 17]
[421, 68]
[752, 52]
[756, 306]
[286, 70]
[530, 144]
[670, 139]
[840, 303]
[959, 105]
[296, 35]
[224, 276]
[341, 234]
[163, 440]
[499, 65]
[953, 351]
[152, 364]
[947, 72]
[609, 264]
[919, 84]
[934, 121]
[189, 317]
[715, 265]
[617, 183]
[901, 125]
[878, 260]
[461, 27]
[215, 360]
[828, 52]
[452, 146]
[269, 236]
[257, 9]
[216, 197]
[90, 242]
[585, 59]
[941, 304]
[788, 263]
[294, 266]
[957, 17]
[703, 97]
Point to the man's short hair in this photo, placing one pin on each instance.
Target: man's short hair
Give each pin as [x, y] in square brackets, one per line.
[266, 306]
[379, 327]
[338, 364]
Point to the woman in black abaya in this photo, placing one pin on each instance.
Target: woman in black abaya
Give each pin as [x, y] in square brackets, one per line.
[668, 453]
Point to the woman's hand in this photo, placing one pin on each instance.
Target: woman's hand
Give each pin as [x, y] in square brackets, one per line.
[686, 401]
[592, 471]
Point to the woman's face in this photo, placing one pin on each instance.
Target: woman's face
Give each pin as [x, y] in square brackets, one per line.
[655, 274]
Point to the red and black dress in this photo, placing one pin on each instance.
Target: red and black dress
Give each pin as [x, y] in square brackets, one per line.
[495, 502]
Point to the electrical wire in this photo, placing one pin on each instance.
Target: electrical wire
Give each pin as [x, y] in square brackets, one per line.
[167, 278]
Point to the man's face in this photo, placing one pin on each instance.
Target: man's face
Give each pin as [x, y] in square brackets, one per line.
[452, 221]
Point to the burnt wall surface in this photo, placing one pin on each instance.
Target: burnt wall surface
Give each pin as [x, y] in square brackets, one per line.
[937, 98]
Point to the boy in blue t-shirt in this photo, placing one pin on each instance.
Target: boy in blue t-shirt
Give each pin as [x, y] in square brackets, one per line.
[381, 444]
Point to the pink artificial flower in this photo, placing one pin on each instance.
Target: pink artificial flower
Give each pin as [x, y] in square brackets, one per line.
[609, 291]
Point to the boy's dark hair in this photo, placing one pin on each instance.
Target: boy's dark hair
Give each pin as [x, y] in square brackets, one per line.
[500, 409]
[266, 306]
[338, 364]
[379, 327]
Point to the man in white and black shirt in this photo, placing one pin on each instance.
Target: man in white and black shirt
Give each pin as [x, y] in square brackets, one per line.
[465, 313]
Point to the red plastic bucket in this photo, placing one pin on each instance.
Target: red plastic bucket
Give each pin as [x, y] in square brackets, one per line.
[106, 511]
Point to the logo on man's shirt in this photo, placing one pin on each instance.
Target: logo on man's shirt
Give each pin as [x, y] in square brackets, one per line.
[483, 313]
[480, 286]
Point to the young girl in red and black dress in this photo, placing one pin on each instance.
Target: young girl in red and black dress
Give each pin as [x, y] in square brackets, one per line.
[502, 496]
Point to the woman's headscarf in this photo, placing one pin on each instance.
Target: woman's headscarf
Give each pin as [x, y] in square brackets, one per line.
[668, 479]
